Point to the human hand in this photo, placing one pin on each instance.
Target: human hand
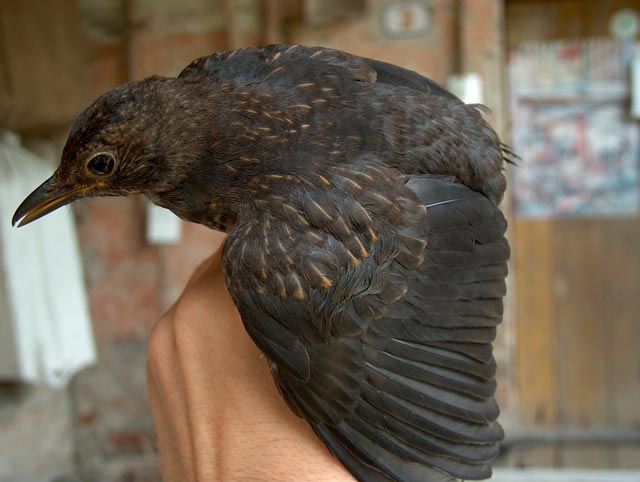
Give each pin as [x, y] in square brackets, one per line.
[217, 412]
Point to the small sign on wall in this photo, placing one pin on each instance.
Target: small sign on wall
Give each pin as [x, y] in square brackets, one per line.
[163, 227]
[406, 19]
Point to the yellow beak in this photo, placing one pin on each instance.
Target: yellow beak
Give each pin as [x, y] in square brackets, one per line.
[44, 199]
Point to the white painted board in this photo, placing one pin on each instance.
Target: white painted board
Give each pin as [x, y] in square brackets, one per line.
[45, 327]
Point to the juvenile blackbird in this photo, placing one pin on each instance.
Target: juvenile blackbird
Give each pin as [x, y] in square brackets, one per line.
[365, 250]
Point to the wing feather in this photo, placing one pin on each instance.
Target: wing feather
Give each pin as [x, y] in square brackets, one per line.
[401, 384]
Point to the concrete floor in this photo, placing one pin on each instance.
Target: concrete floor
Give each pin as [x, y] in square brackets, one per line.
[559, 475]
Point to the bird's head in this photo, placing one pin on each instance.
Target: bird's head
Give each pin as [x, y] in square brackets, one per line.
[114, 148]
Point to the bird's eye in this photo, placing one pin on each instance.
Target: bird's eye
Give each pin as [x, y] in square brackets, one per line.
[101, 164]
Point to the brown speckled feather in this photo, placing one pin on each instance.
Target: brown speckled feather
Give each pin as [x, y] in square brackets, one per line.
[409, 120]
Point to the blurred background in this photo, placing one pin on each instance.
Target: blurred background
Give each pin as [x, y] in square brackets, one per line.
[79, 292]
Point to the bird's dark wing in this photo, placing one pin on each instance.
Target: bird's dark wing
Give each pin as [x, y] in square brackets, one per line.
[294, 64]
[377, 316]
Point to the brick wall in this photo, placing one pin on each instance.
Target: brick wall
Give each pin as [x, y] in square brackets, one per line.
[35, 434]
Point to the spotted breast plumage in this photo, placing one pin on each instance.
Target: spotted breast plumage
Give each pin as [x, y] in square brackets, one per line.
[365, 250]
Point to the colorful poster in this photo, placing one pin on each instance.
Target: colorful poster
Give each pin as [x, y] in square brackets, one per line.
[570, 111]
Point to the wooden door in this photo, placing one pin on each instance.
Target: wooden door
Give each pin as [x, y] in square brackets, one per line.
[577, 298]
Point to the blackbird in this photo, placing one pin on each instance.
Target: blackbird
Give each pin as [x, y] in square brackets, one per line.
[365, 249]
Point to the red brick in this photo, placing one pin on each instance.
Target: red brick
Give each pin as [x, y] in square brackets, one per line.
[108, 67]
[122, 271]
[127, 440]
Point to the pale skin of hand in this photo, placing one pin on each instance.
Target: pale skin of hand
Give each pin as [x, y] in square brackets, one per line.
[217, 412]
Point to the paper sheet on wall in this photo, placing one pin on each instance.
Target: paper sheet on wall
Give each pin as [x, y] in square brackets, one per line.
[45, 328]
[571, 126]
